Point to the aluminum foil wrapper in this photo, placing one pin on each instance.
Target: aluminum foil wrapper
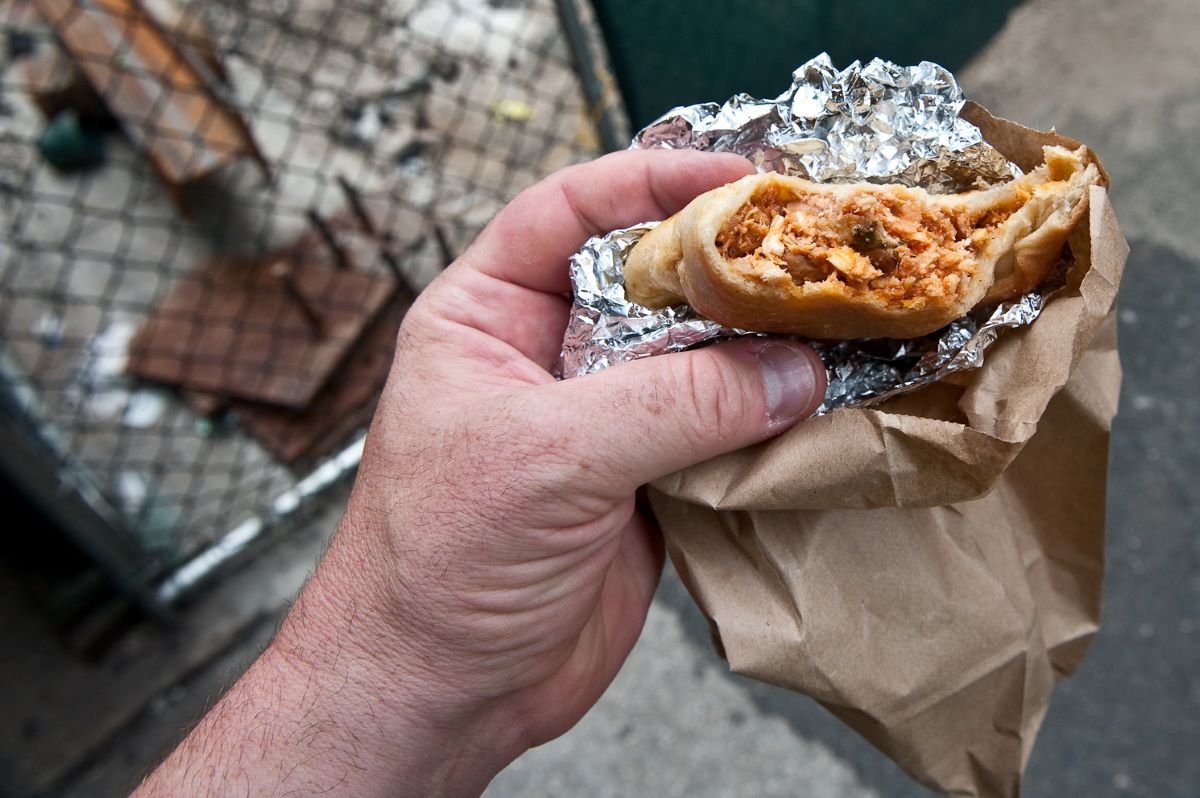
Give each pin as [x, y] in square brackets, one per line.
[879, 122]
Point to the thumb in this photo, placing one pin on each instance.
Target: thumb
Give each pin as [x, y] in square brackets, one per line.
[649, 418]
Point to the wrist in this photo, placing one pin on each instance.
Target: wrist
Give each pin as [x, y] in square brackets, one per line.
[365, 675]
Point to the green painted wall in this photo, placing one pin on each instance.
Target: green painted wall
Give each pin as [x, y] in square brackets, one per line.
[668, 54]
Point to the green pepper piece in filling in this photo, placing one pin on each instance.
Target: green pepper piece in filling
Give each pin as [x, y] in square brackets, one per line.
[867, 237]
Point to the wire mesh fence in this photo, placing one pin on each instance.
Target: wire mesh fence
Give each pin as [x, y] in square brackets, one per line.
[215, 214]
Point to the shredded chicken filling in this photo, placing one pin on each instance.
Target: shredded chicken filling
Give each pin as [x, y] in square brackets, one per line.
[901, 251]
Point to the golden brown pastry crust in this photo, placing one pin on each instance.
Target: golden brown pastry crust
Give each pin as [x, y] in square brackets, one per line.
[986, 245]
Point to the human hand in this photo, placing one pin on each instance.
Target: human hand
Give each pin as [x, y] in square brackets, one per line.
[493, 570]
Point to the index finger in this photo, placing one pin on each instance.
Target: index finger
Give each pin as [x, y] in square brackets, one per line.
[530, 240]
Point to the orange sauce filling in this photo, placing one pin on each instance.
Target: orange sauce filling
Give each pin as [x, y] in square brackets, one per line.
[903, 251]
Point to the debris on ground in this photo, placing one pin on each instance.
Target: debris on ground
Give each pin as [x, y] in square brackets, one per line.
[69, 145]
[295, 345]
[268, 329]
[512, 111]
[164, 100]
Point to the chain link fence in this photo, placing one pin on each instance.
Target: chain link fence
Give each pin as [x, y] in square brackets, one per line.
[215, 214]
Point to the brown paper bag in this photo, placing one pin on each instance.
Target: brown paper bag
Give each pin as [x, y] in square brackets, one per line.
[928, 568]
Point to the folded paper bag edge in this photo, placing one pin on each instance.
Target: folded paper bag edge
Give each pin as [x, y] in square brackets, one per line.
[896, 460]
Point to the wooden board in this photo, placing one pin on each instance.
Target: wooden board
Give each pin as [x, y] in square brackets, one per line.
[231, 328]
[55, 83]
[344, 405]
[155, 88]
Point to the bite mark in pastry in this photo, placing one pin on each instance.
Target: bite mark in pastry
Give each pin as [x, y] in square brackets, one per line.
[781, 254]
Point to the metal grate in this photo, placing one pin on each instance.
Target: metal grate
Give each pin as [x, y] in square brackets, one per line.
[380, 136]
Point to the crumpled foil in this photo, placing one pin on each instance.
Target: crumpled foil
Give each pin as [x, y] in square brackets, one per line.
[878, 122]
[881, 123]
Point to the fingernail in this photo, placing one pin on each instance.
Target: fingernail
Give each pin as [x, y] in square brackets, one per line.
[789, 381]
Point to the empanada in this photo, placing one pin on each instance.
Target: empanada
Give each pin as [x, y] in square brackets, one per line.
[780, 254]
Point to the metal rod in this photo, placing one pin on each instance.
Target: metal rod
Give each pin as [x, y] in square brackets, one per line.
[354, 200]
[319, 225]
[594, 92]
[443, 243]
[393, 264]
[238, 539]
[283, 272]
[37, 465]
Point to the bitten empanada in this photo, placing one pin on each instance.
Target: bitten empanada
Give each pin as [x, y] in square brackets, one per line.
[781, 254]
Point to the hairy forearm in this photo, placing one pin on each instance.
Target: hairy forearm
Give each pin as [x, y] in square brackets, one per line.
[323, 712]
[264, 737]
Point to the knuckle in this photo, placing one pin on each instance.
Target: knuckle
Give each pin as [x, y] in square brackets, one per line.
[715, 399]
